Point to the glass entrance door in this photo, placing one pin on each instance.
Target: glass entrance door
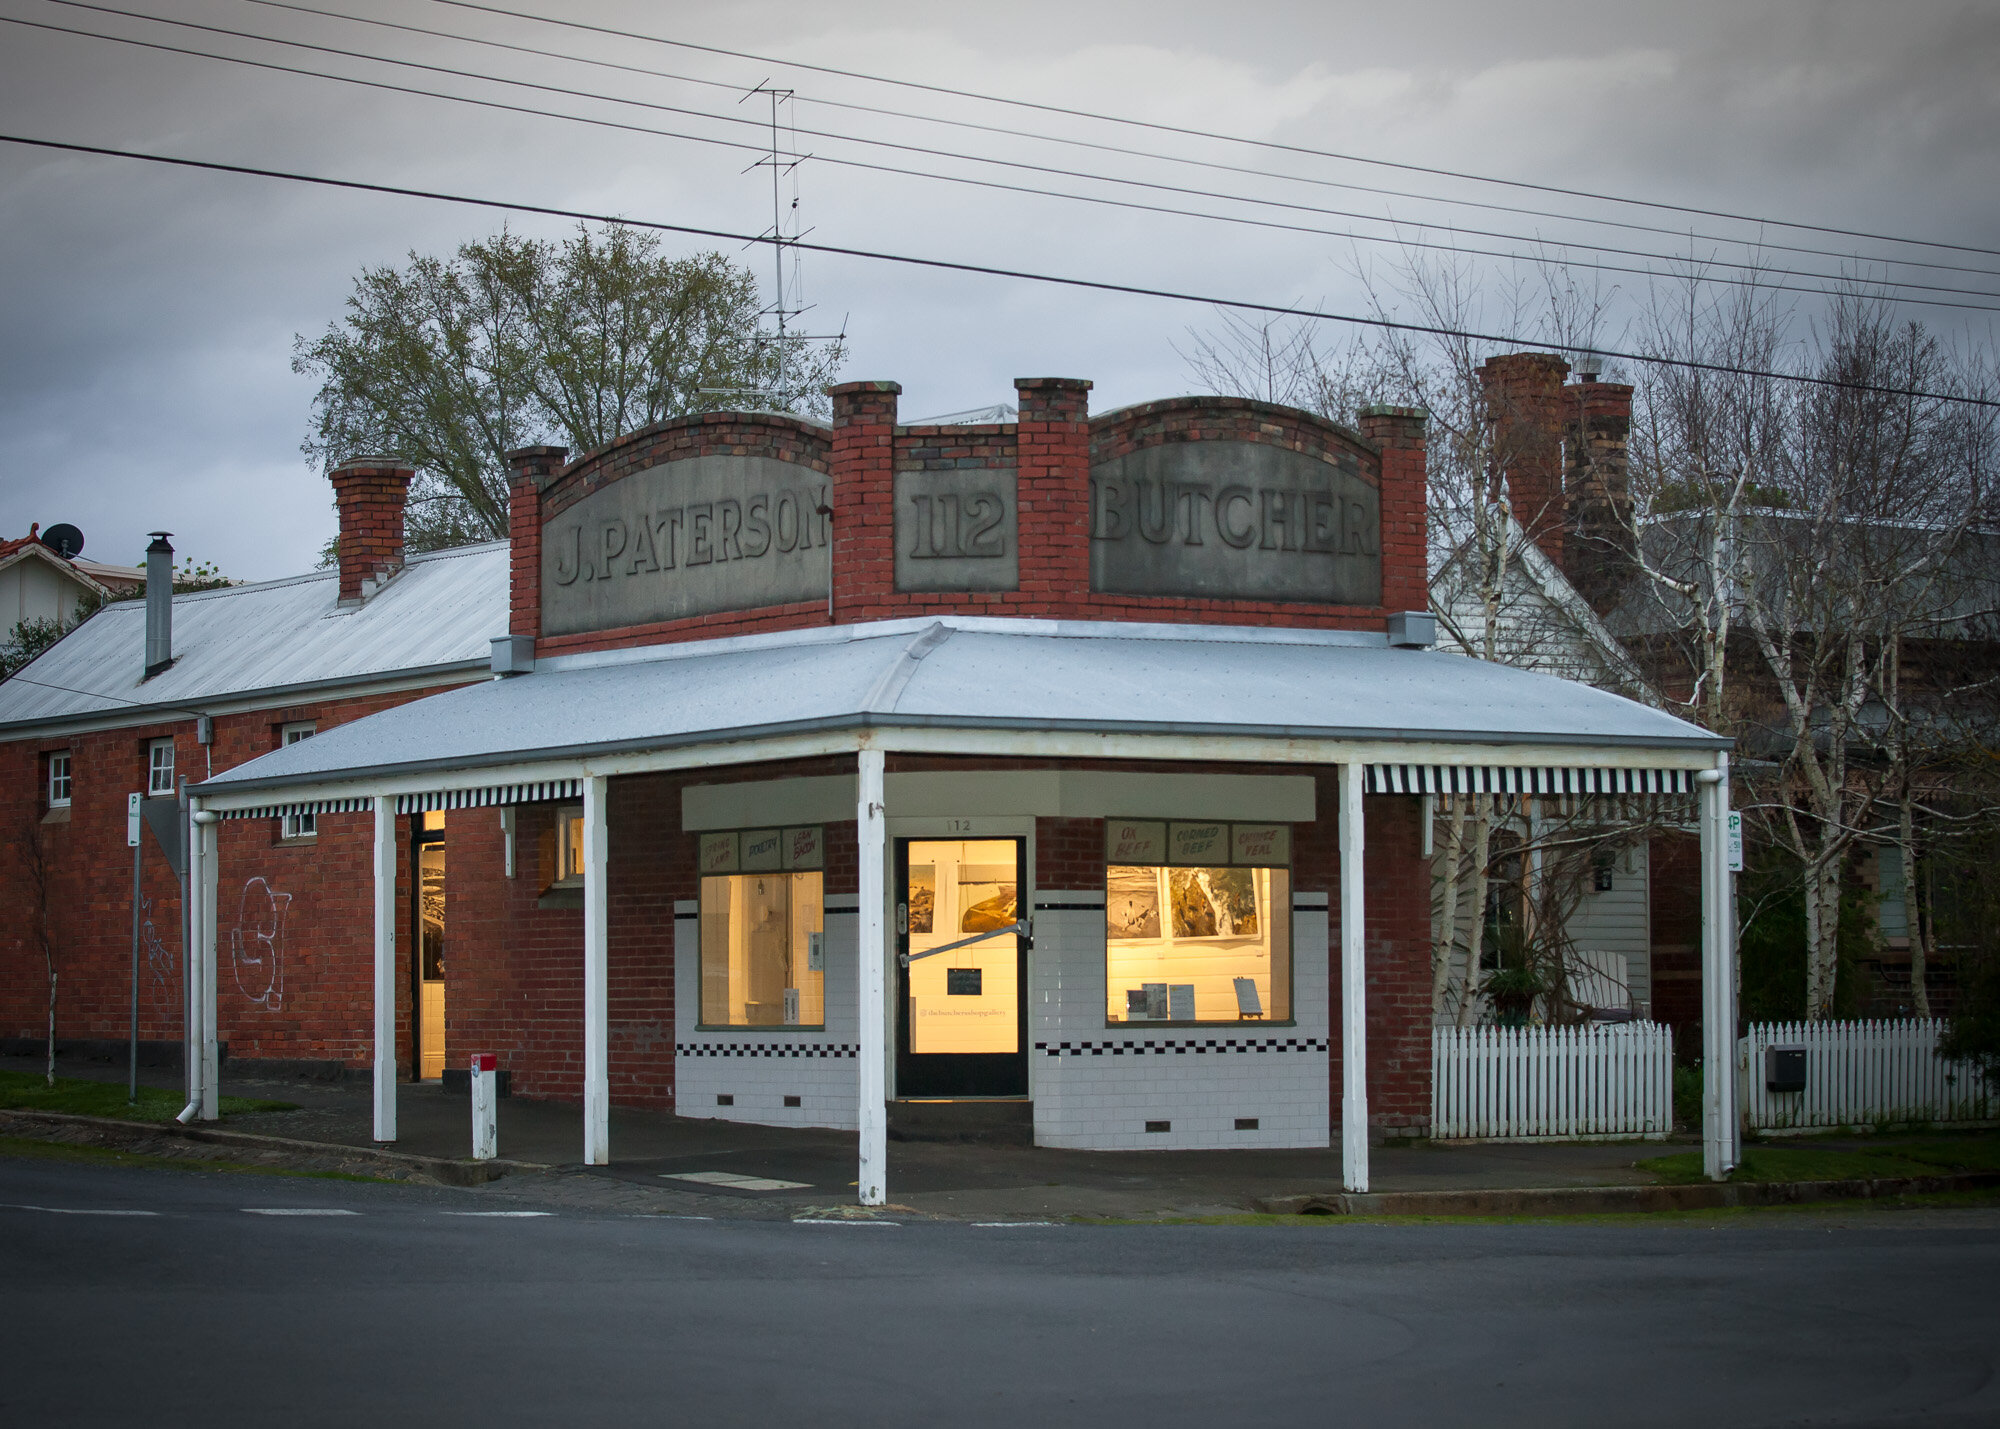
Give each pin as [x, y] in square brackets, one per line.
[961, 1028]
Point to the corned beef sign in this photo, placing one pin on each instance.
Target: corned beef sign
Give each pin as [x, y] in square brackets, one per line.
[685, 538]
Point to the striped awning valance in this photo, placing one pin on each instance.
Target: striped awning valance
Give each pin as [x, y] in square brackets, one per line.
[492, 795]
[1506, 779]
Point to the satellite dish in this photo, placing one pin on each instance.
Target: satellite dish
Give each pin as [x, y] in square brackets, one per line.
[65, 540]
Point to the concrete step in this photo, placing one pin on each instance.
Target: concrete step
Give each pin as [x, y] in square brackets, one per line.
[1007, 1121]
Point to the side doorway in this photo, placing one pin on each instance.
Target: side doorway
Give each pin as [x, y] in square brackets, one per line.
[427, 1023]
[961, 969]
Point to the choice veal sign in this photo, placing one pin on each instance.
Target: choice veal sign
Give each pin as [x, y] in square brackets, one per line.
[1234, 521]
[686, 538]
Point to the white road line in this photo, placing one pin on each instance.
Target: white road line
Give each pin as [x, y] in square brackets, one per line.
[77, 1211]
[294, 1211]
[1004, 1225]
[508, 1215]
[833, 1221]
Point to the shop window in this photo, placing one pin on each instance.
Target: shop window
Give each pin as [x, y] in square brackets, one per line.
[59, 782]
[159, 767]
[569, 848]
[306, 825]
[1197, 922]
[763, 929]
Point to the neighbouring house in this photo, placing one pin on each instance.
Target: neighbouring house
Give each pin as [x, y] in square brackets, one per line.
[37, 583]
[796, 773]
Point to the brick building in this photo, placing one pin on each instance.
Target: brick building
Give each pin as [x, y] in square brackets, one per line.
[1074, 762]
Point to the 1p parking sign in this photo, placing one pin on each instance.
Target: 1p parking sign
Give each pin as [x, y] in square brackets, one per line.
[1733, 841]
[132, 820]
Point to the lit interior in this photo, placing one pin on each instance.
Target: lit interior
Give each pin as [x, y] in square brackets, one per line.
[967, 1000]
[1197, 944]
[762, 950]
[430, 952]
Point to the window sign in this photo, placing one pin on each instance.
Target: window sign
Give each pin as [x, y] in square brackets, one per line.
[160, 767]
[718, 853]
[763, 850]
[1134, 841]
[804, 848]
[59, 782]
[1204, 935]
[1198, 843]
[1260, 843]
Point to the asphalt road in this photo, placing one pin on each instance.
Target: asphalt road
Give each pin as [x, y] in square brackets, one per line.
[153, 1296]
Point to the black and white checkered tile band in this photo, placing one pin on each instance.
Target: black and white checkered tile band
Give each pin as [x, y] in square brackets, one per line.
[1156, 1047]
[765, 1049]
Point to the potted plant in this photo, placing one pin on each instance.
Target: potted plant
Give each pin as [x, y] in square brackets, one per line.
[1512, 991]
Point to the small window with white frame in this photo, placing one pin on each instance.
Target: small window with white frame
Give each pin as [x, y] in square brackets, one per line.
[59, 780]
[159, 767]
[569, 847]
[306, 825]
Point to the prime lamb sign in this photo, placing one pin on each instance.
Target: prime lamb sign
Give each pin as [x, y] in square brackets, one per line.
[686, 538]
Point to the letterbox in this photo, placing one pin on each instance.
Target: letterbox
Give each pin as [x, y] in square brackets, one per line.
[1784, 1069]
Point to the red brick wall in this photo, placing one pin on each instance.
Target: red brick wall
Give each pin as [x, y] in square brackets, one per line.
[369, 495]
[321, 889]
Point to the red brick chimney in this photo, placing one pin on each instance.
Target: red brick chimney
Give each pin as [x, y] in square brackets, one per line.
[1524, 413]
[369, 493]
[533, 469]
[1597, 423]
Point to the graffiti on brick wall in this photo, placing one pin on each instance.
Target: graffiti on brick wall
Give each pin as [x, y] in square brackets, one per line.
[257, 944]
[163, 981]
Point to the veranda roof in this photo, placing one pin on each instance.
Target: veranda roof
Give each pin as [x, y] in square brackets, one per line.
[1181, 687]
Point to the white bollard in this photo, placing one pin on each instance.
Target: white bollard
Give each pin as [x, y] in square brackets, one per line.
[485, 1106]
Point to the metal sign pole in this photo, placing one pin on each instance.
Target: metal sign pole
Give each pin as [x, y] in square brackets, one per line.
[132, 838]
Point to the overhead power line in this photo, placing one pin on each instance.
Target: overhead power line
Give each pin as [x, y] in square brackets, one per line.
[984, 270]
[1760, 278]
[1762, 243]
[1191, 133]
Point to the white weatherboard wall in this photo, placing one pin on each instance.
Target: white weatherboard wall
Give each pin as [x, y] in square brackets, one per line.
[761, 1066]
[1617, 921]
[1096, 1086]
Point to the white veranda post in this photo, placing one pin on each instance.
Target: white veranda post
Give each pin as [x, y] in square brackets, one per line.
[596, 966]
[1353, 988]
[871, 984]
[204, 1071]
[1719, 1130]
[385, 969]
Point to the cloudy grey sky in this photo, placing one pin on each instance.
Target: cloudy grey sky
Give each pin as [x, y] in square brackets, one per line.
[147, 314]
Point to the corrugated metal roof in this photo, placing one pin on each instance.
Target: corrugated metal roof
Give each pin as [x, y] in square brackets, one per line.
[968, 673]
[441, 610]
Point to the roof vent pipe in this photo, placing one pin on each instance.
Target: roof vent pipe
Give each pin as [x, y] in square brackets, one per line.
[159, 604]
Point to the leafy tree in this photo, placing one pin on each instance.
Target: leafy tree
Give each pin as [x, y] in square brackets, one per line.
[449, 363]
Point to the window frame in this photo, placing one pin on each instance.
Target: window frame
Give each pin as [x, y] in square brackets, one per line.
[1227, 860]
[294, 827]
[565, 877]
[153, 751]
[61, 766]
[783, 869]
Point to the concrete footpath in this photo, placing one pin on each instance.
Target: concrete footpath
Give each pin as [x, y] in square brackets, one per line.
[679, 1165]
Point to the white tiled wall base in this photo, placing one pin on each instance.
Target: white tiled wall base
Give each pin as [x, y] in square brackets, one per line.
[1099, 1091]
[761, 1066]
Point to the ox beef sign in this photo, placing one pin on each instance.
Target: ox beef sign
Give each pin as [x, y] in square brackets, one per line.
[1234, 520]
[687, 538]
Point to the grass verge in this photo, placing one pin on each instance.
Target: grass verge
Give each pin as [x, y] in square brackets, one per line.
[26, 1091]
[1929, 1156]
[25, 1149]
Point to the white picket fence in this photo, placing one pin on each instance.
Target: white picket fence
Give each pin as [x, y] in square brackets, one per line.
[1563, 1083]
[1858, 1074]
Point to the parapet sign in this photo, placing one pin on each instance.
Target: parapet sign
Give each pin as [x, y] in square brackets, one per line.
[684, 538]
[1234, 521]
[1216, 519]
